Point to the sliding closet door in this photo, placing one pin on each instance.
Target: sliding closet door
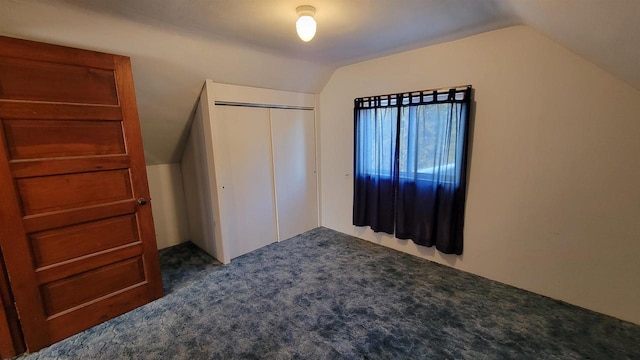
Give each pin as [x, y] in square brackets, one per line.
[246, 189]
[294, 163]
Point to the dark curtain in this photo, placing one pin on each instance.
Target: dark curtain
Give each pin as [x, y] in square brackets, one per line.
[410, 166]
[374, 196]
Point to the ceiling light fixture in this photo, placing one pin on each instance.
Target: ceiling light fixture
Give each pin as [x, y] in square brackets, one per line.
[306, 24]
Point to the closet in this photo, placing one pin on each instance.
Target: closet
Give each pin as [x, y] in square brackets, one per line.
[249, 168]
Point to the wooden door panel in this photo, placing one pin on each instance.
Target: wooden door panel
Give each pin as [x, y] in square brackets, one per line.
[33, 139]
[62, 244]
[69, 268]
[25, 169]
[31, 80]
[41, 222]
[79, 289]
[100, 310]
[58, 111]
[21, 49]
[61, 192]
[78, 246]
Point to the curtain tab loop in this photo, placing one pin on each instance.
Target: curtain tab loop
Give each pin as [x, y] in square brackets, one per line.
[452, 94]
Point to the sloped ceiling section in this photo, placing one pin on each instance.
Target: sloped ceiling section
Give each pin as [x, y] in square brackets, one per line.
[175, 45]
[605, 32]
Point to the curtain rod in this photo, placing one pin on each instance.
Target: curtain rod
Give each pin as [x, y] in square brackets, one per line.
[268, 106]
[458, 87]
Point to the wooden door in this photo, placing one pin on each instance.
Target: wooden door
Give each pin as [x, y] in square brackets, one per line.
[75, 221]
[294, 165]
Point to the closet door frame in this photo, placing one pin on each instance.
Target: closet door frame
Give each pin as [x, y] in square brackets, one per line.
[217, 94]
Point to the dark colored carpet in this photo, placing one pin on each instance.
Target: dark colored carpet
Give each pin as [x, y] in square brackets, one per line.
[326, 295]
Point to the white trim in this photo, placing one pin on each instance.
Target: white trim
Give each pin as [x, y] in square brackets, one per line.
[235, 94]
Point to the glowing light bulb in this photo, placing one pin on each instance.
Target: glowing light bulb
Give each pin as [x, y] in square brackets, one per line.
[306, 24]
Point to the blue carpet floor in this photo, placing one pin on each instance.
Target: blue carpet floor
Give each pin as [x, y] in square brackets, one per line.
[326, 295]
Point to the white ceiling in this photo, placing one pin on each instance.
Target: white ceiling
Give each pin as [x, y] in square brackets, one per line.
[348, 30]
[176, 44]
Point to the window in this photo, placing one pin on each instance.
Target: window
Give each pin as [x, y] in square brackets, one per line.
[410, 165]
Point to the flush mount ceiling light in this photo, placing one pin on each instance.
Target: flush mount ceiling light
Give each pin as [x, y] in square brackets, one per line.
[306, 24]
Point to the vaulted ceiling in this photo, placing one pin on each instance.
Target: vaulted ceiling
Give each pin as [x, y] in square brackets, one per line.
[174, 45]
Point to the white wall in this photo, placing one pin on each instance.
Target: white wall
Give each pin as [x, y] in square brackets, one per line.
[553, 203]
[167, 204]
